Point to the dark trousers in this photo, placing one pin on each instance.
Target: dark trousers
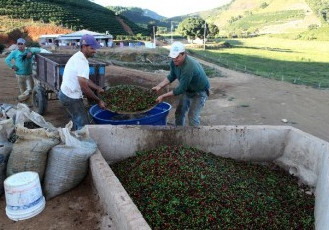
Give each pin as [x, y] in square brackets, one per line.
[76, 110]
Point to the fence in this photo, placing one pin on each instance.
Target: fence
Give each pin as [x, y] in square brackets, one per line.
[323, 84]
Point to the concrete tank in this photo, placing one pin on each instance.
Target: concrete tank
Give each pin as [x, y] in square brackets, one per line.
[299, 153]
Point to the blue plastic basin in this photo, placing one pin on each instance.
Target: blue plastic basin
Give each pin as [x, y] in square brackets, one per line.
[156, 116]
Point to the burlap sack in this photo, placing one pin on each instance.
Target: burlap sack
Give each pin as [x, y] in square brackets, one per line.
[5, 149]
[30, 150]
[67, 163]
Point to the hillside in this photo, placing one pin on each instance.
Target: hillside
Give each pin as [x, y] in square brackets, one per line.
[152, 14]
[136, 14]
[252, 17]
[141, 17]
[72, 14]
[264, 17]
[307, 19]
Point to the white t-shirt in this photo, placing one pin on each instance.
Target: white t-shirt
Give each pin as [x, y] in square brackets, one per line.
[77, 66]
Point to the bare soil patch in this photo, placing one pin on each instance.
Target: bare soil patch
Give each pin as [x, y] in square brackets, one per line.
[76, 209]
[243, 99]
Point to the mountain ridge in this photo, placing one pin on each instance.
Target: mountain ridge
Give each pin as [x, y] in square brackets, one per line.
[73, 14]
[290, 14]
[245, 18]
[237, 18]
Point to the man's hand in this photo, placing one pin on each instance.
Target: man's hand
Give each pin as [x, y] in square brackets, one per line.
[160, 99]
[14, 68]
[29, 55]
[156, 88]
[100, 90]
[163, 96]
[101, 104]
[162, 84]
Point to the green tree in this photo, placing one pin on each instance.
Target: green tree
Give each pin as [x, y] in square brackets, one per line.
[150, 28]
[263, 5]
[212, 29]
[192, 27]
[15, 34]
[162, 29]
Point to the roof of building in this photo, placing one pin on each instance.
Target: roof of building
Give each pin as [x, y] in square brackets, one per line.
[50, 35]
[78, 34]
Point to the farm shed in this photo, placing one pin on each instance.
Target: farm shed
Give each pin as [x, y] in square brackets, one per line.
[48, 39]
[73, 39]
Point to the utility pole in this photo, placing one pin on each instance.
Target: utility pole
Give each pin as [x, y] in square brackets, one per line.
[154, 36]
[171, 29]
[204, 36]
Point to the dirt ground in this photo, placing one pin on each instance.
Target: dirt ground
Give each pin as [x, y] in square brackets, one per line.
[236, 99]
[243, 99]
[76, 209]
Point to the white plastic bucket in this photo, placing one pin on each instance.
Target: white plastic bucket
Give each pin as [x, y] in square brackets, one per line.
[24, 197]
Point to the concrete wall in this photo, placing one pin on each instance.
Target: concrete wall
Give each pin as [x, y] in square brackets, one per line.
[114, 197]
[301, 154]
[244, 143]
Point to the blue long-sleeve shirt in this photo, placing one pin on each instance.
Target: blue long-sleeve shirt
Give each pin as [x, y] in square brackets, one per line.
[191, 77]
[24, 65]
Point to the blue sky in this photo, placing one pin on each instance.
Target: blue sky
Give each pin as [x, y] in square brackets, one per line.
[167, 8]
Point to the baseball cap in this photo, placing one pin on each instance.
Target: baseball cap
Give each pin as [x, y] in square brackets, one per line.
[90, 41]
[176, 49]
[21, 40]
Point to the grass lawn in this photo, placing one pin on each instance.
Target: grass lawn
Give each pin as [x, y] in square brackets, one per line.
[295, 61]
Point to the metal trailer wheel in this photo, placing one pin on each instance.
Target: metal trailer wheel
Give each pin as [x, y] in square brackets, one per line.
[39, 98]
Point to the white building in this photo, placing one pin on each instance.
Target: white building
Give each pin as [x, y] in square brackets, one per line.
[48, 39]
[73, 39]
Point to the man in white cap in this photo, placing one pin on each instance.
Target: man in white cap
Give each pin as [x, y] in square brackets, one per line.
[76, 82]
[22, 66]
[193, 88]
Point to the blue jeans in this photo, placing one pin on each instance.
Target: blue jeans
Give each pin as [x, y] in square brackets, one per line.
[75, 109]
[191, 103]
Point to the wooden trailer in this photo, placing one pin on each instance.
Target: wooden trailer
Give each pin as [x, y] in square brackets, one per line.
[48, 75]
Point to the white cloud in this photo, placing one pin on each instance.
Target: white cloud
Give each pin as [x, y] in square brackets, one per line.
[169, 8]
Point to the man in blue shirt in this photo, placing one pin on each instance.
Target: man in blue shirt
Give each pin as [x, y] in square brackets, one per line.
[193, 88]
[22, 66]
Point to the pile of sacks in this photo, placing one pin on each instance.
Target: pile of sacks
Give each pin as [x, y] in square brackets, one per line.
[29, 143]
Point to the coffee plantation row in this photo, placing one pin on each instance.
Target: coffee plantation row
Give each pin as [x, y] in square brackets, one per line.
[71, 14]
